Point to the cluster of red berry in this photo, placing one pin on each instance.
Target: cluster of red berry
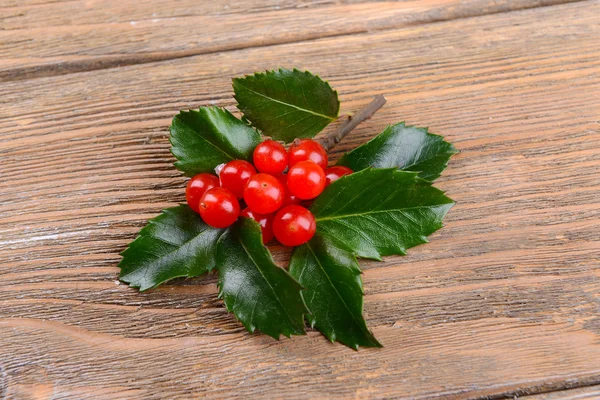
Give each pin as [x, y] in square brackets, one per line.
[273, 198]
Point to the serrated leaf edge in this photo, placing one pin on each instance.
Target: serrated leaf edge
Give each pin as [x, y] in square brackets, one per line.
[333, 337]
[281, 70]
[250, 327]
[402, 252]
[177, 163]
[139, 235]
[451, 152]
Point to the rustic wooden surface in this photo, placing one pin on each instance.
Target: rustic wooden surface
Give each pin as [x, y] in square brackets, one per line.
[583, 393]
[504, 301]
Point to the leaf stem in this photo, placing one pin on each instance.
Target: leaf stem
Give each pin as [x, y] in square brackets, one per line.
[352, 121]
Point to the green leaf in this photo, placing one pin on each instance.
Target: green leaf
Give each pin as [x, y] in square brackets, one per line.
[260, 294]
[378, 212]
[286, 104]
[177, 243]
[406, 147]
[203, 139]
[371, 213]
[333, 291]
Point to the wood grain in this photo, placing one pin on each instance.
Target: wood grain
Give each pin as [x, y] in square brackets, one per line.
[584, 393]
[23, 16]
[58, 38]
[504, 301]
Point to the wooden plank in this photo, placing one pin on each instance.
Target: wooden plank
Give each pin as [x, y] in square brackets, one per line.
[58, 38]
[504, 298]
[26, 16]
[69, 360]
[15, 3]
[39, 13]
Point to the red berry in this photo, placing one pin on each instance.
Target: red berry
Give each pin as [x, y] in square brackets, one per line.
[307, 149]
[264, 194]
[234, 176]
[270, 157]
[197, 186]
[336, 172]
[288, 198]
[219, 207]
[306, 180]
[264, 220]
[294, 225]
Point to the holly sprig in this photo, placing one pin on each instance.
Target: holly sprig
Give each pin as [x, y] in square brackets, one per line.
[385, 207]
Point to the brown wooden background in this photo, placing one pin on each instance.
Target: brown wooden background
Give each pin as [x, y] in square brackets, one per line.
[504, 301]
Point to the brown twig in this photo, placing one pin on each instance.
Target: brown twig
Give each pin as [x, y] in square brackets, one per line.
[332, 139]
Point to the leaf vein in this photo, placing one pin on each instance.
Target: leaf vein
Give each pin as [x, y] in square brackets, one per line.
[289, 105]
[332, 285]
[268, 283]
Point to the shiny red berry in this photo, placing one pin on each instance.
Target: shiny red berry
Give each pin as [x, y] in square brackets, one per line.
[264, 194]
[336, 172]
[307, 149]
[219, 207]
[264, 220]
[197, 186]
[234, 176]
[294, 225]
[306, 180]
[270, 157]
[288, 197]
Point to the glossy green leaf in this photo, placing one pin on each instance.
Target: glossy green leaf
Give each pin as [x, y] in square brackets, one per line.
[286, 104]
[371, 213]
[177, 243]
[260, 294]
[406, 147]
[203, 139]
[333, 291]
[378, 212]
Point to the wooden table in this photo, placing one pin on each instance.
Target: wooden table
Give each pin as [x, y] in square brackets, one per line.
[504, 301]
